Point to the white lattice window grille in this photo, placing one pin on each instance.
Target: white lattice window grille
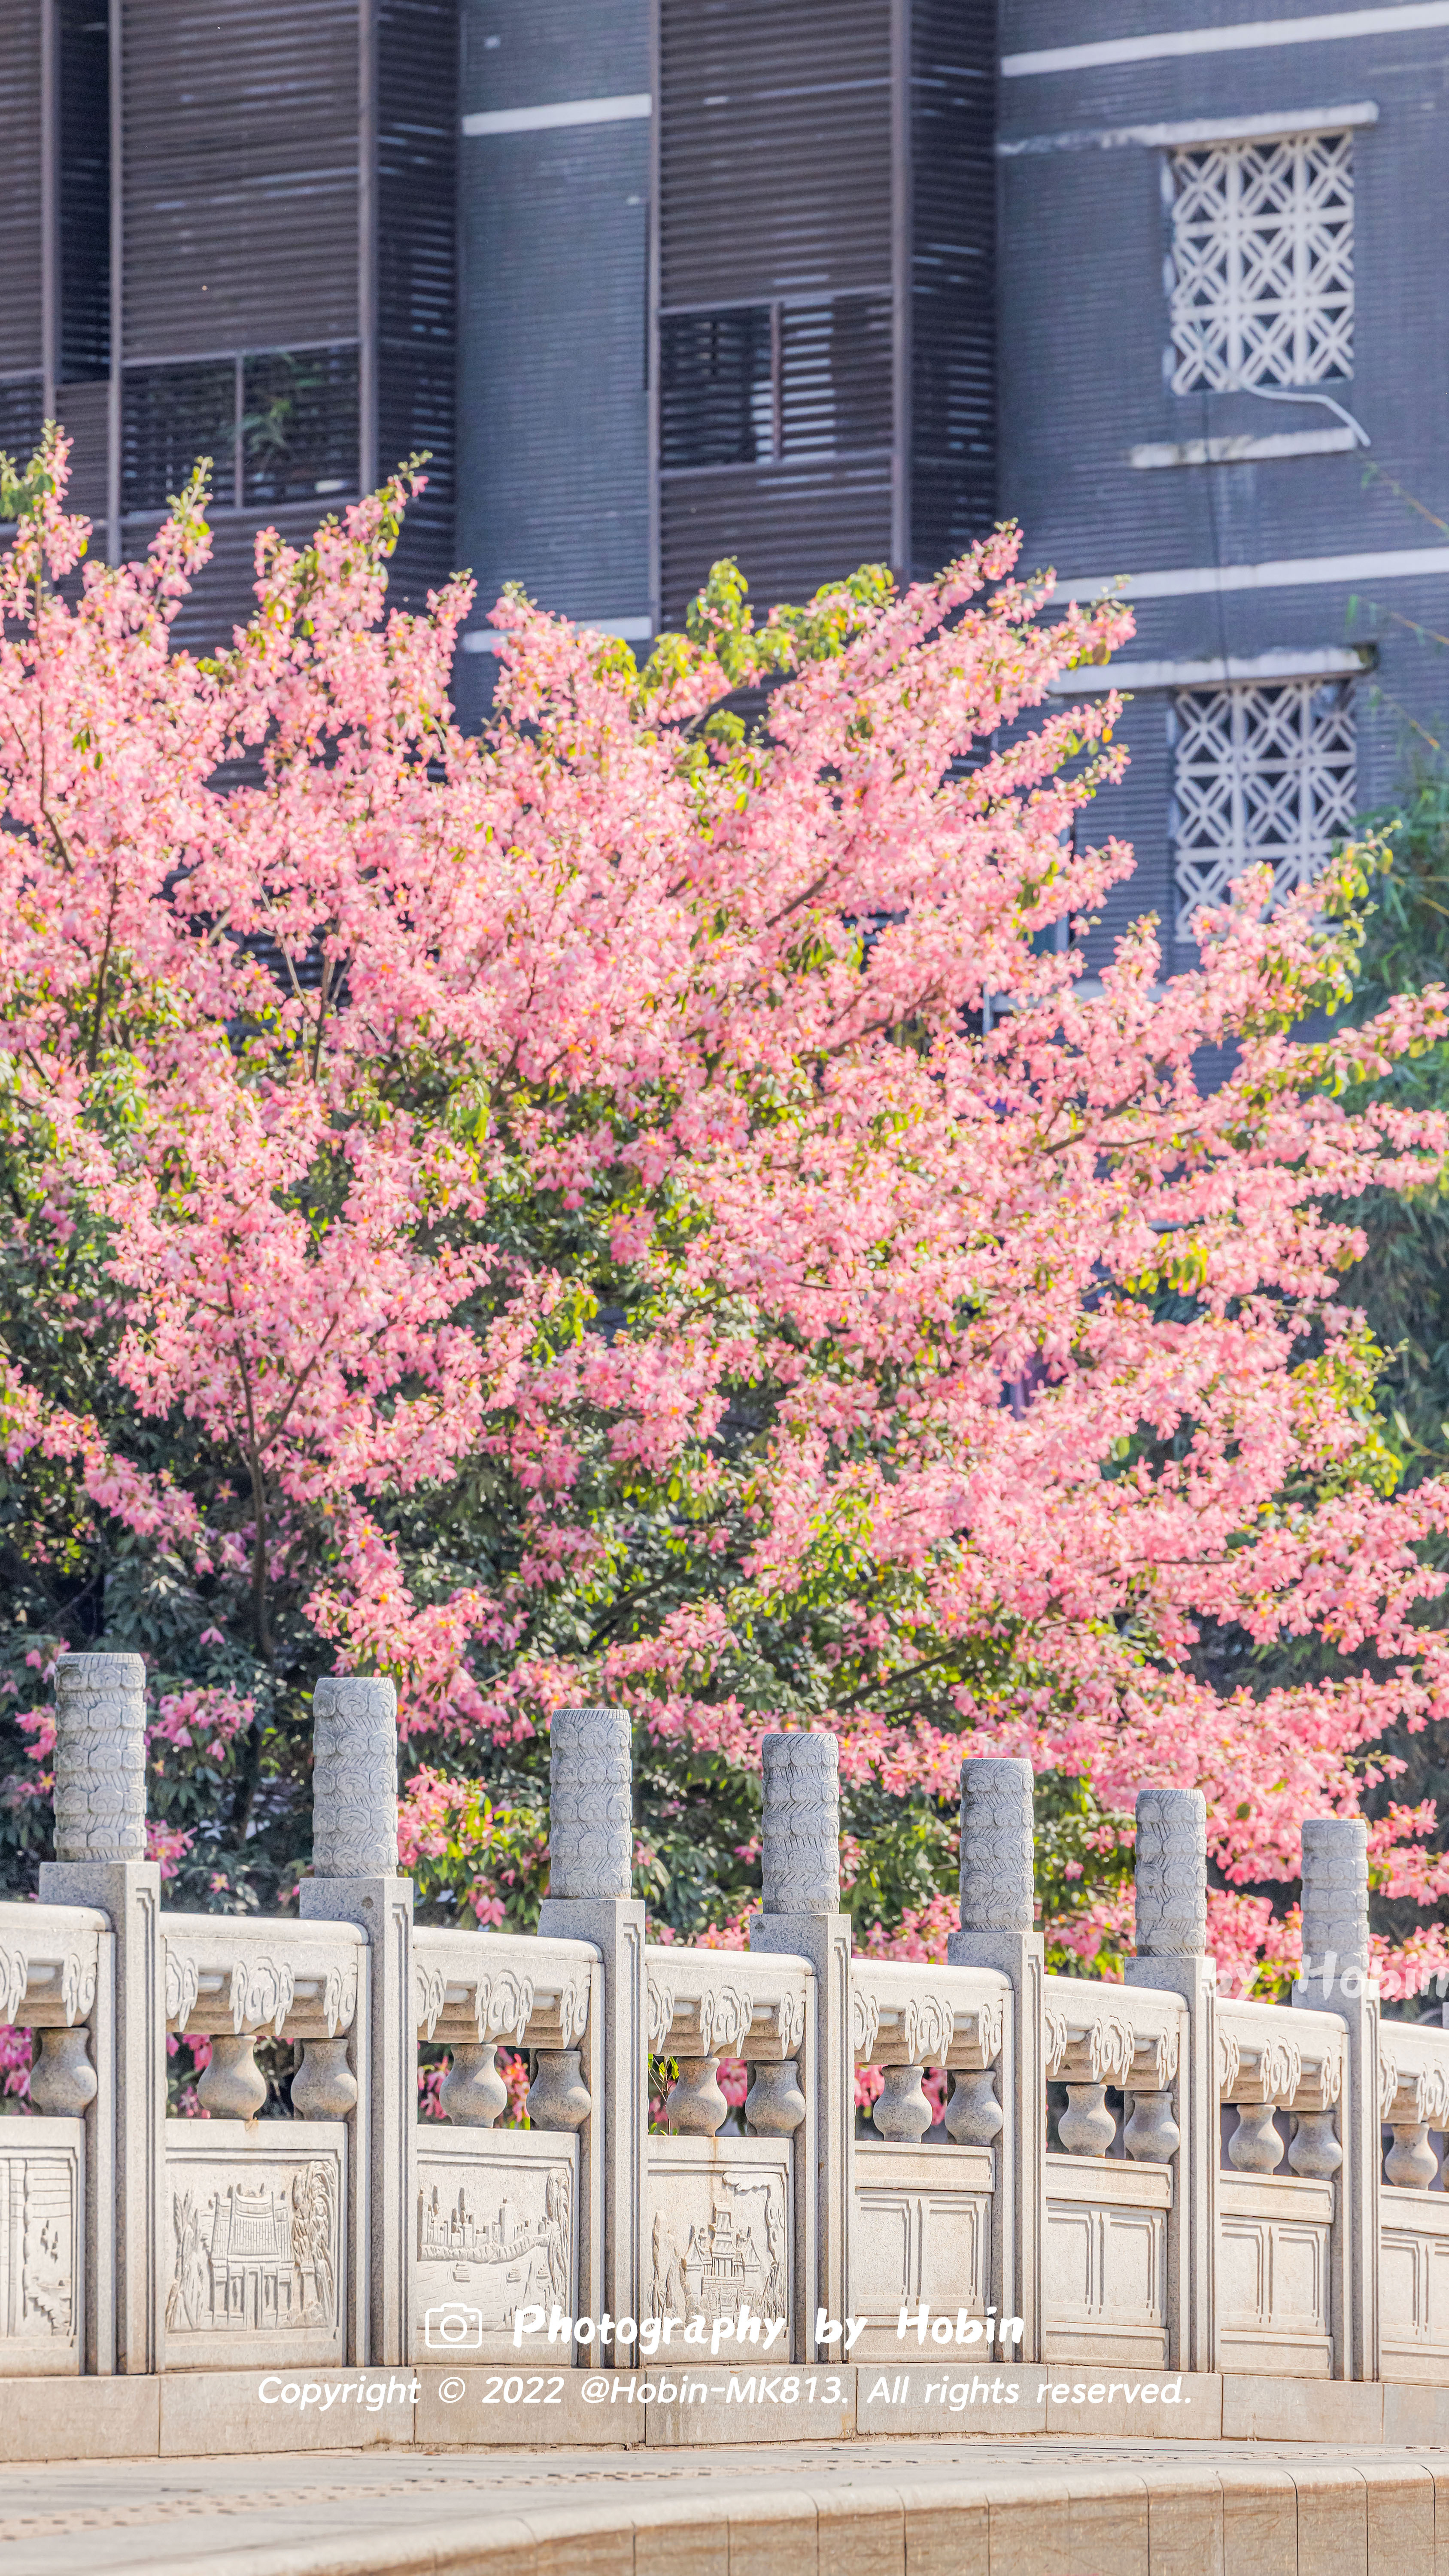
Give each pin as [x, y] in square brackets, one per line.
[1262, 262]
[1260, 775]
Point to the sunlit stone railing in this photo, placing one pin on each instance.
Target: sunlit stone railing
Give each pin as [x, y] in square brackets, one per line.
[1051, 2167]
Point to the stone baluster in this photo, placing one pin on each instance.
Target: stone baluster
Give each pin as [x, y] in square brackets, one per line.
[355, 1880]
[901, 2111]
[473, 2094]
[231, 2085]
[1256, 2145]
[1086, 2127]
[324, 2086]
[1172, 1956]
[974, 2117]
[100, 1860]
[1314, 2153]
[62, 2078]
[998, 1914]
[1335, 1978]
[1411, 2164]
[802, 1917]
[695, 2107]
[774, 2104]
[558, 2097]
[591, 1870]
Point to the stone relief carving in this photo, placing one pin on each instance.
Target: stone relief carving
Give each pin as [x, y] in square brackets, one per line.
[37, 2247]
[1413, 2096]
[183, 1979]
[1053, 2038]
[591, 1804]
[790, 2024]
[1335, 1893]
[254, 2258]
[800, 1826]
[1272, 2075]
[14, 1975]
[1101, 2053]
[339, 1996]
[1227, 2063]
[495, 2238]
[261, 1991]
[354, 1777]
[100, 1758]
[1154, 2062]
[989, 2023]
[928, 2028]
[661, 2014]
[997, 1886]
[864, 2023]
[430, 1988]
[1171, 1873]
[503, 2004]
[723, 2015]
[719, 2241]
[77, 1986]
[724, 2021]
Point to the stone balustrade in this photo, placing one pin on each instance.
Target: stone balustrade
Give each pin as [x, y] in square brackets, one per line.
[1143, 2174]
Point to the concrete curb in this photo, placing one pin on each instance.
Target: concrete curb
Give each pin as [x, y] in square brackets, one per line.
[1150, 2517]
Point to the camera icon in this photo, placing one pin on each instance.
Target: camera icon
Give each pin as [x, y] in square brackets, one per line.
[452, 2326]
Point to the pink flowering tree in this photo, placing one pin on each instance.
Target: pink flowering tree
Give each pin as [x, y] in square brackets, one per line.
[553, 1215]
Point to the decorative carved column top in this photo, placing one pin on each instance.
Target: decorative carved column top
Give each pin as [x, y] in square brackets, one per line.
[1335, 1894]
[590, 1803]
[997, 1875]
[354, 1777]
[1171, 1874]
[801, 1831]
[100, 1758]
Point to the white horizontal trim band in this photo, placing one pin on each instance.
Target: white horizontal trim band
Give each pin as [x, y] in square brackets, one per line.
[1298, 572]
[564, 111]
[1198, 129]
[1245, 450]
[1248, 33]
[1286, 662]
[633, 630]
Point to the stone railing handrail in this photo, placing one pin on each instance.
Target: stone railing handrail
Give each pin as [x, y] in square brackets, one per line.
[1072, 2171]
[224, 1974]
[48, 1961]
[1129, 2036]
[906, 2013]
[1287, 2057]
[725, 2003]
[500, 1986]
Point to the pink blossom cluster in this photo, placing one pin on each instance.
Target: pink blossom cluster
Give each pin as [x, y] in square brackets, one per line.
[1050, 1334]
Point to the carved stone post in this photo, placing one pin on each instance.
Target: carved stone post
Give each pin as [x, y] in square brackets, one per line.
[100, 1860]
[998, 1916]
[1336, 1979]
[590, 1873]
[1172, 1955]
[354, 1860]
[802, 1918]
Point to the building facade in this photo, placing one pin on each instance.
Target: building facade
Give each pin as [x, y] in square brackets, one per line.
[1223, 373]
[229, 230]
[809, 282]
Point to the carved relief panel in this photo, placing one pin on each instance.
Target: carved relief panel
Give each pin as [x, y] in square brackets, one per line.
[495, 2230]
[254, 2248]
[719, 2234]
[921, 2231]
[41, 2239]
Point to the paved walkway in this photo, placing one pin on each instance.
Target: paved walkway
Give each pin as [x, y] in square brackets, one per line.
[1043, 2507]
